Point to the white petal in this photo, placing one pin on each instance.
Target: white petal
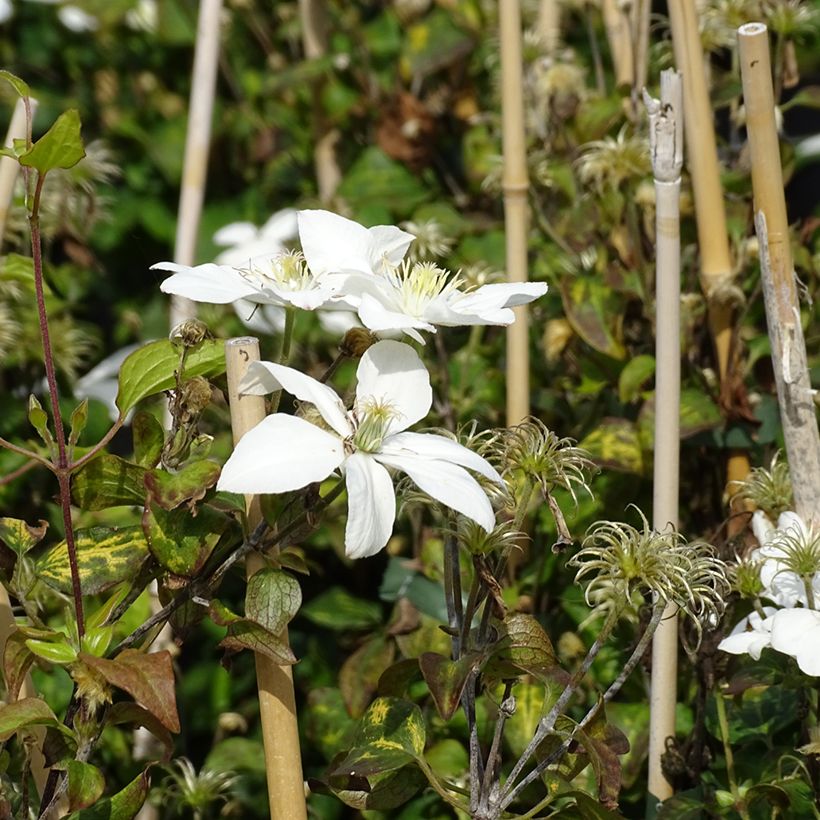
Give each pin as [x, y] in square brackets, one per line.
[796, 632]
[762, 527]
[281, 226]
[448, 483]
[392, 372]
[391, 243]
[751, 635]
[267, 377]
[236, 233]
[432, 446]
[500, 295]
[281, 453]
[371, 506]
[792, 524]
[217, 284]
[267, 319]
[332, 243]
[376, 315]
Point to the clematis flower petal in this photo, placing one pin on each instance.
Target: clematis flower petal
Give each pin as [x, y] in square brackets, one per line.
[333, 244]
[796, 632]
[448, 483]
[267, 319]
[792, 524]
[432, 446]
[280, 454]
[217, 284]
[393, 372]
[751, 635]
[497, 296]
[267, 377]
[376, 316]
[234, 234]
[371, 509]
[762, 527]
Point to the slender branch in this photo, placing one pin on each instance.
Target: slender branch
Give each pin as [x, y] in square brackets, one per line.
[452, 593]
[86, 457]
[506, 710]
[30, 454]
[15, 474]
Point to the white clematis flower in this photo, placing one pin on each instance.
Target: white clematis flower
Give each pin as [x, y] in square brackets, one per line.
[243, 241]
[796, 632]
[285, 453]
[394, 295]
[751, 635]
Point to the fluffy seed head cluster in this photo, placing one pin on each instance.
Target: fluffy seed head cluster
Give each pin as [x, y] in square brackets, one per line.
[534, 451]
[799, 550]
[608, 163]
[792, 18]
[431, 240]
[745, 578]
[769, 489]
[620, 560]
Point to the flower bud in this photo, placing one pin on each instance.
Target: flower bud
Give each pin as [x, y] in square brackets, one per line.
[356, 341]
[190, 333]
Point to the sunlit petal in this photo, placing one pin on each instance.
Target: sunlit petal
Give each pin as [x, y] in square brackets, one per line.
[217, 284]
[371, 506]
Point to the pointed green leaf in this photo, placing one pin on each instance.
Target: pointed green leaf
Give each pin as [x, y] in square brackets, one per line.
[60, 147]
[19, 536]
[149, 438]
[79, 418]
[170, 490]
[24, 713]
[150, 369]
[147, 676]
[390, 735]
[39, 420]
[446, 678]
[181, 543]
[595, 312]
[520, 727]
[106, 556]
[616, 444]
[124, 805]
[338, 609]
[272, 599]
[360, 673]
[59, 652]
[523, 645]
[380, 792]
[20, 86]
[108, 481]
[637, 372]
[85, 785]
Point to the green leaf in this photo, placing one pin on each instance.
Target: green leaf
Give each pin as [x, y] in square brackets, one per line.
[60, 147]
[446, 678]
[361, 671]
[521, 725]
[147, 676]
[448, 758]
[85, 785]
[327, 724]
[105, 555]
[59, 652]
[595, 312]
[39, 420]
[182, 543]
[19, 536]
[433, 43]
[244, 633]
[24, 713]
[617, 445]
[169, 490]
[20, 86]
[272, 599]
[108, 481]
[149, 438]
[339, 610]
[17, 660]
[634, 376]
[523, 645]
[381, 792]
[79, 418]
[124, 805]
[697, 413]
[150, 369]
[390, 735]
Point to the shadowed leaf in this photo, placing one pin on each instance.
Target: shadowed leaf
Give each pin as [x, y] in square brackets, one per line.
[108, 481]
[360, 673]
[149, 438]
[17, 660]
[446, 678]
[126, 712]
[19, 536]
[85, 785]
[191, 483]
[378, 792]
[124, 805]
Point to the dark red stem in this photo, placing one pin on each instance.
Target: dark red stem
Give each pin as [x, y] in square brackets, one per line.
[62, 471]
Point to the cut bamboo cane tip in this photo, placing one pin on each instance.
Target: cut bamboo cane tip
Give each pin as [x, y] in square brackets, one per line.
[751, 29]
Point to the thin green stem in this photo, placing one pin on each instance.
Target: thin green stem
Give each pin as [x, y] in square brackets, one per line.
[723, 723]
[30, 454]
[452, 593]
[86, 457]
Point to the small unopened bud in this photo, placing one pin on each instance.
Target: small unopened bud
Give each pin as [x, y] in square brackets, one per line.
[356, 341]
[196, 395]
[190, 333]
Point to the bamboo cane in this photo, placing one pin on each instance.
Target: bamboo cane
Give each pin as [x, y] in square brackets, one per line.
[619, 36]
[313, 15]
[666, 144]
[277, 703]
[548, 24]
[9, 170]
[197, 142]
[515, 184]
[702, 162]
[791, 372]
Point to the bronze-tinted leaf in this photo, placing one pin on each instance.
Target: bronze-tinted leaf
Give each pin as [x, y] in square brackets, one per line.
[148, 439]
[124, 805]
[108, 481]
[126, 712]
[26, 712]
[272, 599]
[360, 673]
[147, 676]
[17, 660]
[446, 679]
[169, 490]
[85, 785]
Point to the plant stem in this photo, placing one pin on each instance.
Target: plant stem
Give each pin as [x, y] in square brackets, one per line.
[86, 457]
[62, 471]
[30, 454]
[505, 710]
[720, 705]
[452, 593]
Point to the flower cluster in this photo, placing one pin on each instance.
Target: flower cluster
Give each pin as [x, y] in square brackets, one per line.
[787, 570]
[345, 266]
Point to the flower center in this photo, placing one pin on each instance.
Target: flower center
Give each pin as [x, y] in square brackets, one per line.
[373, 418]
[419, 283]
[288, 270]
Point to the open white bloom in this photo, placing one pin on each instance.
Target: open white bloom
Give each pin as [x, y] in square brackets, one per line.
[284, 453]
[392, 294]
[751, 635]
[243, 241]
[796, 632]
[282, 279]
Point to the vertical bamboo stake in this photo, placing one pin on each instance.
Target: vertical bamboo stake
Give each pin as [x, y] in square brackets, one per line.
[666, 145]
[702, 162]
[548, 24]
[515, 184]
[313, 15]
[619, 36]
[197, 142]
[9, 170]
[277, 703]
[777, 273]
